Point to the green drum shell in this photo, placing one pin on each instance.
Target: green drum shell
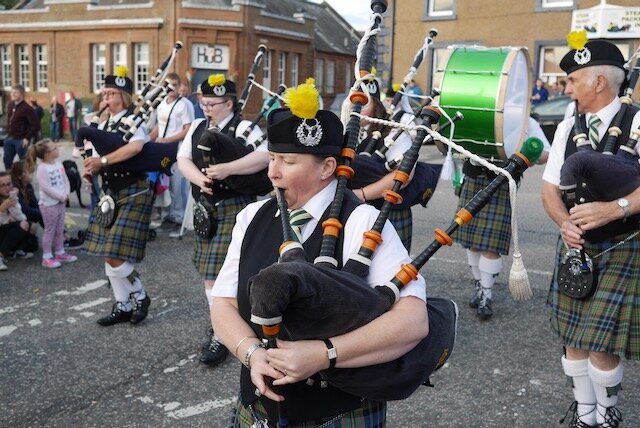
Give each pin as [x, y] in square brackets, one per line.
[474, 82]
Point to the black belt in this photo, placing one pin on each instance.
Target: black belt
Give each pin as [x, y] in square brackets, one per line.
[115, 180]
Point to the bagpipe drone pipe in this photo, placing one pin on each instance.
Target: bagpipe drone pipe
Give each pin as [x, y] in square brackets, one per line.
[153, 156]
[609, 172]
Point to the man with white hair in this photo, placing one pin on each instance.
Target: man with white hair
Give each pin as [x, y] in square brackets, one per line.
[600, 329]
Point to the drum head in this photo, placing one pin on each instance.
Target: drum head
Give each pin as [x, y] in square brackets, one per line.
[490, 86]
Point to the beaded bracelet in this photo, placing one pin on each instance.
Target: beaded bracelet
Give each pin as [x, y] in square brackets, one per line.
[253, 348]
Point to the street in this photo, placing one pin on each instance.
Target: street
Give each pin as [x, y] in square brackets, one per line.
[61, 369]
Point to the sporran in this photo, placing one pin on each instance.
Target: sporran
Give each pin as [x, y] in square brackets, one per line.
[106, 211]
[575, 275]
[205, 221]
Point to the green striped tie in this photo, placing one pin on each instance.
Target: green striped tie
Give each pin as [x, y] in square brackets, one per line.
[594, 121]
[297, 218]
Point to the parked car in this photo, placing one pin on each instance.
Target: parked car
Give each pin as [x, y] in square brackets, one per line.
[550, 113]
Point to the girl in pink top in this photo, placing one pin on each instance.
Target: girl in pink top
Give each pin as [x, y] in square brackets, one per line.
[54, 190]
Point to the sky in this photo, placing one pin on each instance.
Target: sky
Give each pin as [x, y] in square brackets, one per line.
[356, 12]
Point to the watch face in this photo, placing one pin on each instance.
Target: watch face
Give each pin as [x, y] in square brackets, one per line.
[623, 202]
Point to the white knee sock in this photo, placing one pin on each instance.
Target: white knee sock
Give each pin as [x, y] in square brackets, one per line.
[489, 271]
[122, 287]
[605, 384]
[582, 389]
[473, 257]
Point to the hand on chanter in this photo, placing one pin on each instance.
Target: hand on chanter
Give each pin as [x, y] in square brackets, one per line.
[218, 171]
[298, 360]
[262, 373]
[593, 215]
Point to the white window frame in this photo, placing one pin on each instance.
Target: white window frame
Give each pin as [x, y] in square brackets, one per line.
[319, 74]
[42, 68]
[330, 77]
[282, 68]
[295, 69]
[266, 73]
[118, 55]
[439, 13]
[7, 72]
[550, 4]
[141, 65]
[98, 65]
[23, 66]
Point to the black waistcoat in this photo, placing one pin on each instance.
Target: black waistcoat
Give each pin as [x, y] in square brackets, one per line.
[616, 227]
[259, 250]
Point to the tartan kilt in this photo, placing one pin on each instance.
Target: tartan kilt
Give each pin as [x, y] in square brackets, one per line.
[608, 321]
[490, 229]
[208, 256]
[126, 239]
[402, 221]
[372, 414]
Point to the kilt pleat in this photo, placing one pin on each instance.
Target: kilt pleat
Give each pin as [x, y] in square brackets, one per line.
[126, 239]
[402, 221]
[490, 229]
[208, 255]
[608, 321]
[372, 414]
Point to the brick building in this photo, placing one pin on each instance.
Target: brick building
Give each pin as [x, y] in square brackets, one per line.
[540, 26]
[56, 46]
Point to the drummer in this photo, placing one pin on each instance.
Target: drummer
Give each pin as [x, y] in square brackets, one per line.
[488, 236]
[306, 173]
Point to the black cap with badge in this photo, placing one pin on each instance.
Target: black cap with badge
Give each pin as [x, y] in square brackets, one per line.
[585, 53]
[303, 127]
[119, 80]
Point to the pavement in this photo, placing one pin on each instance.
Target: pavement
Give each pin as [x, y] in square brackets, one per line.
[58, 368]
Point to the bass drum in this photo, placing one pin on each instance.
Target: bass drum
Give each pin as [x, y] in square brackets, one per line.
[490, 87]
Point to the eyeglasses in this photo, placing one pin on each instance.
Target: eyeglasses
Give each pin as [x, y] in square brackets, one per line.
[205, 106]
[106, 94]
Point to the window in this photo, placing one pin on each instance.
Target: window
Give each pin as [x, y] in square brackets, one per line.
[42, 68]
[438, 58]
[266, 73]
[5, 58]
[141, 65]
[550, 57]
[549, 4]
[331, 77]
[319, 74]
[440, 8]
[99, 64]
[295, 64]
[23, 66]
[282, 66]
[348, 77]
[119, 55]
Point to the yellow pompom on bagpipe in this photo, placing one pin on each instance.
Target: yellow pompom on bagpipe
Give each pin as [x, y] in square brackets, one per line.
[216, 80]
[303, 100]
[577, 39]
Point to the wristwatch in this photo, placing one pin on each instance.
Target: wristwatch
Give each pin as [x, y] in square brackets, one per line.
[624, 204]
[331, 353]
[103, 160]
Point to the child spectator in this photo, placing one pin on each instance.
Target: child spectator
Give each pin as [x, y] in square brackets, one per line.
[15, 230]
[54, 191]
[21, 180]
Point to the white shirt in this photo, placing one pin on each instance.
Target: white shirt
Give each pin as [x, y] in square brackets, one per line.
[556, 155]
[185, 149]
[386, 261]
[182, 114]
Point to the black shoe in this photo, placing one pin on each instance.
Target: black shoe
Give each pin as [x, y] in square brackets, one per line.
[140, 309]
[213, 353]
[116, 316]
[484, 308]
[475, 298]
[612, 418]
[168, 224]
[73, 243]
[575, 421]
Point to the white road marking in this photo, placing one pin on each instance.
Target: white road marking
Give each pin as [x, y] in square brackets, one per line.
[7, 330]
[34, 322]
[200, 408]
[90, 286]
[90, 304]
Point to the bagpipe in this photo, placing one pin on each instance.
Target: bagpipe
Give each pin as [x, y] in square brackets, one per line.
[608, 171]
[153, 156]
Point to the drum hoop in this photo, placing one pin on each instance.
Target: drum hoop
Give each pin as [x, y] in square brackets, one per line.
[500, 100]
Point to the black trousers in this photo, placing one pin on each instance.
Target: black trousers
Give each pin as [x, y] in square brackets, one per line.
[12, 237]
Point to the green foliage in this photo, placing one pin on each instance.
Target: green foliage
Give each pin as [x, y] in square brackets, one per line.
[8, 4]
